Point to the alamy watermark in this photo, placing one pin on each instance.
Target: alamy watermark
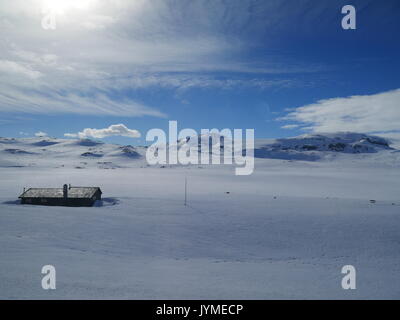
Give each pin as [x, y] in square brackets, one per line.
[210, 147]
[49, 280]
[349, 280]
[349, 20]
[49, 19]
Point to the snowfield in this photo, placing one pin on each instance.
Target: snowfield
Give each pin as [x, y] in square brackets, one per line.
[284, 232]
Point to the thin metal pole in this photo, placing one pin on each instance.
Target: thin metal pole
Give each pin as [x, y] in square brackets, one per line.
[185, 190]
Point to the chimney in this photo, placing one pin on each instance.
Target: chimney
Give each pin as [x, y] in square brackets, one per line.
[65, 192]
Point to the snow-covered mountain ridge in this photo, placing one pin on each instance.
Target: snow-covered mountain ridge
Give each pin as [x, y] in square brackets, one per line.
[84, 152]
[346, 142]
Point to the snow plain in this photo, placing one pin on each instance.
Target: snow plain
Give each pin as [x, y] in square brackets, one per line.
[283, 232]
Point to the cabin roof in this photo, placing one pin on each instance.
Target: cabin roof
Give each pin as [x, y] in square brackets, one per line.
[73, 192]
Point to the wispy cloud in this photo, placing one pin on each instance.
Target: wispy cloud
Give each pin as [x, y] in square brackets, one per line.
[41, 134]
[94, 55]
[368, 113]
[57, 101]
[12, 67]
[182, 82]
[290, 126]
[113, 130]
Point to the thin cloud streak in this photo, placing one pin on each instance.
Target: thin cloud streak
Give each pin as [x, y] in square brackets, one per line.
[58, 102]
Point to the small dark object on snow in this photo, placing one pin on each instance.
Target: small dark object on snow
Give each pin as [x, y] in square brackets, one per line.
[227, 192]
[372, 201]
[66, 196]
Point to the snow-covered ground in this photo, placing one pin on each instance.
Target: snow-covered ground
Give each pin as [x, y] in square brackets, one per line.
[283, 232]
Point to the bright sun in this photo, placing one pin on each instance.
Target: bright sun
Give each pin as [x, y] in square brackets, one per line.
[60, 6]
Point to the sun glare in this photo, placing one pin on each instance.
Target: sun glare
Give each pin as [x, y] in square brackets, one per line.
[61, 6]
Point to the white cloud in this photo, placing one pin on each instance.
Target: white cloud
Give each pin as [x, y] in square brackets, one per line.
[290, 126]
[11, 67]
[369, 113]
[98, 22]
[71, 135]
[113, 130]
[41, 134]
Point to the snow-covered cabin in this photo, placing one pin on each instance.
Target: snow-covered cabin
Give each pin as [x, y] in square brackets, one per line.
[66, 196]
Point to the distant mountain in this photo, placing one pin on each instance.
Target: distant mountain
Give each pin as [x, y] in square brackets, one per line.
[84, 153]
[77, 153]
[315, 146]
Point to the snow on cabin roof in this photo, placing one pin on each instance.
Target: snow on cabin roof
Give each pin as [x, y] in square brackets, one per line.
[73, 192]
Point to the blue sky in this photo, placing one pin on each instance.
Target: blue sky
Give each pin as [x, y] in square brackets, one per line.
[281, 67]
